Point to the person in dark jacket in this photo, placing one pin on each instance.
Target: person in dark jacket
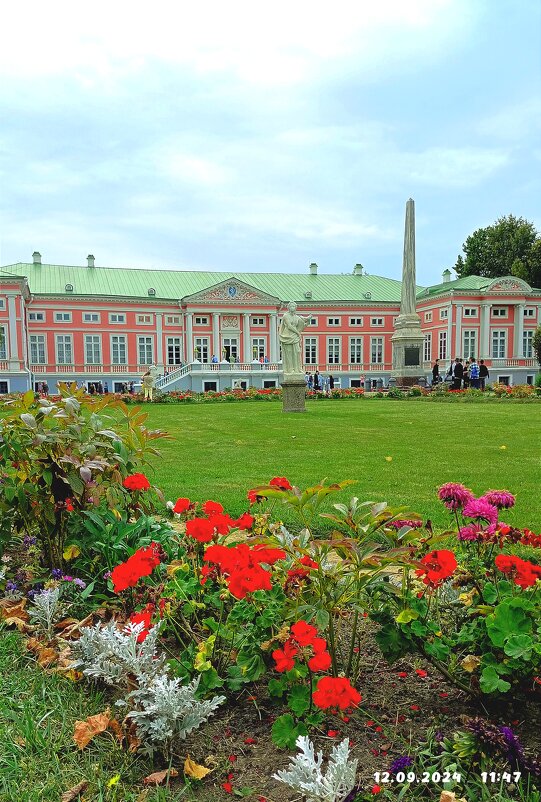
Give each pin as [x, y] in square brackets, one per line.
[483, 374]
[436, 373]
[317, 383]
[331, 383]
[458, 373]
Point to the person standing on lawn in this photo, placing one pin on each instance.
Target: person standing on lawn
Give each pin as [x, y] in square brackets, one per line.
[474, 373]
[436, 372]
[483, 374]
[458, 373]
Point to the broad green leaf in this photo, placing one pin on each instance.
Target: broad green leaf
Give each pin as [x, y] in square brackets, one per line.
[299, 699]
[285, 732]
[406, 616]
[507, 620]
[519, 646]
[491, 682]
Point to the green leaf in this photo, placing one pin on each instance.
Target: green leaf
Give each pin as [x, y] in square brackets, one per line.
[392, 642]
[437, 649]
[491, 682]
[321, 619]
[234, 679]
[490, 593]
[406, 616]
[299, 699]
[519, 646]
[506, 620]
[277, 688]
[285, 732]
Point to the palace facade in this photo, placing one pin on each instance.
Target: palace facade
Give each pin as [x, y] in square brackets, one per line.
[211, 330]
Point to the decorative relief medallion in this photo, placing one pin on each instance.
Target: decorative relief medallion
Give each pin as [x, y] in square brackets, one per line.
[505, 285]
[232, 291]
[230, 322]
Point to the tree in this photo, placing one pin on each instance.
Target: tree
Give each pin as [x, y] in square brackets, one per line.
[512, 246]
[536, 343]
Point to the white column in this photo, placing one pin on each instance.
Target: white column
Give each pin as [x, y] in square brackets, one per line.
[450, 333]
[216, 335]
[273, 337]
[519, 329]
[458, 331]
[159, 341]
[484, 347]
[12, 344]
[188, 327]
[247, 347]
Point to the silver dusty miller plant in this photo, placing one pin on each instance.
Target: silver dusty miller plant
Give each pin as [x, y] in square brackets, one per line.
[304, 774]
[161, 707]
[45, 610]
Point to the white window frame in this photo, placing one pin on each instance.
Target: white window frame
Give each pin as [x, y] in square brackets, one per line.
[313, 321]
[334, 349]
[427, 348]
[469, 336]
[62, 317]
[529, 311]
[259, 344]
[257, 321]
[310, 350]
[499, 311]
[334, 321]
[171, 344]
[4, 342]
[41, 339]
[6, 382]
[444, 314]
[428, 317]
[67, 339]
[118, 360]
[498, 338]
[2, 303]
[95, 351]
[527, 343]
[146, 342]
[377, 349]
[201, 320]
[469, 311]
[87, 317]
[442, 345]
[377, 322]
[172, 320]
[356, 350]
[142, 322]
[36, 319]
[356, 321]
[120, 318]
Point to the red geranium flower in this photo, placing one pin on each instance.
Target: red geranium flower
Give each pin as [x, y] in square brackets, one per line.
[181, 505]
[143, 617]
[69, 505]
[303, 633]
[284, 658]
[137, 481]
[202, 529]
[211, 507]
[254, 498]
[246, 521]
[320, 661]
[524, 573]
[335, 692]
[281, 483]
[221, 522]
[242, 566]
[439, 565]
[142, 563]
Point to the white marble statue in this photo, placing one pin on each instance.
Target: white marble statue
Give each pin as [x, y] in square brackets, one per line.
[290, 332]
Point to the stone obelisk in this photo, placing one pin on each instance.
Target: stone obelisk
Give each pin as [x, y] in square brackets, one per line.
[408, 338]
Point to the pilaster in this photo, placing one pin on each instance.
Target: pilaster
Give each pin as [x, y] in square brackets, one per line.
[484, 345]
[273, 337]
[247, 351]
[216, 335]
[189, 337]
[519, 330]
[458, 332]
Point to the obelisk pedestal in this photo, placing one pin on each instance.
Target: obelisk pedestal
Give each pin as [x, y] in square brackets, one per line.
[293, 394]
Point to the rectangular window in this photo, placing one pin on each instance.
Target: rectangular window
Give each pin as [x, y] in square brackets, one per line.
[376, 350]
[355, 350]
[333, 350]
[529, 311]
[442, 345]
[117, 317]
[62, 317]
[376, 321]
[499, 341]
[310, 350]
[428, 317]
[257, 321]
[144, 320]
[119, 354]
[527, 344]
[201, 321]
[37, 317]
[333, 321]
[499, 311]
[91, 317]
[172, 320]
[4, 388]
[444, 314]
[145, 350]
[64, 349]
[2, 303]
[3, 347]
[469, 343]
[427, 350]
[210, 387]
[258, 348]
[313, 321]
[92, 349]
[174, 351]
[230, 349]
[470, 311]
[356, 321]
[37, 349]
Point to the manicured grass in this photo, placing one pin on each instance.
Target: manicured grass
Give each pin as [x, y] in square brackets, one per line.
[220, 450]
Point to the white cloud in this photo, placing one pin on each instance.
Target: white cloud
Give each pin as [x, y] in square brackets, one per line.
[454, 167]
[514, 122]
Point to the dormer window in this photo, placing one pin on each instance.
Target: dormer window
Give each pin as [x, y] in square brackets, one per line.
[151, 291]
[69, 287]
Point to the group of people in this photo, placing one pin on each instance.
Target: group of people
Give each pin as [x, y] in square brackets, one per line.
[42, 388]
[319, 383]
[463, 373]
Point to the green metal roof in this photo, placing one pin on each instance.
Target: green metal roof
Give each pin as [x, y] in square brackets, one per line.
[47, 279]
[464, 283]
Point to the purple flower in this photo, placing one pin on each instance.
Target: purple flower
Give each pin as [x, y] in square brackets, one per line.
[472, 532]
[502, 499]
[480, 510]
[454, 495]
[107, 575]
[400, 523]
[29, 541]
[56, 573]
[67, 578]
[400, 764]
[11, 586]
[79, 582]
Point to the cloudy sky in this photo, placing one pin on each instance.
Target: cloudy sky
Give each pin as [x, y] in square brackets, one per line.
[258, 136]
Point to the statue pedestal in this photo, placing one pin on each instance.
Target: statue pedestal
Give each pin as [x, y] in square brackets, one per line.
[294, 394]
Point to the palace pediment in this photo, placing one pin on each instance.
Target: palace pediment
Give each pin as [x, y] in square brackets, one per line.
[507, 284]
[233, 292]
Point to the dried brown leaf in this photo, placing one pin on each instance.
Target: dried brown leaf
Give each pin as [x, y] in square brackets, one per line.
[73, 793]
[195, 770]
[92, 726]
[158, 777]
[47, 656]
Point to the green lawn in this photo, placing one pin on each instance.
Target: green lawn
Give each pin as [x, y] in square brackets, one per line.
[220, 450]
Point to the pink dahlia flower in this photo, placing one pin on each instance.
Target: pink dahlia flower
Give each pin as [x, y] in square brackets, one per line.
[454, 495]
[502, 499]
[480, 509]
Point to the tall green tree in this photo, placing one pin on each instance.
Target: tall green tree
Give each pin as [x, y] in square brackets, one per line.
[536, 342]
[511, 246]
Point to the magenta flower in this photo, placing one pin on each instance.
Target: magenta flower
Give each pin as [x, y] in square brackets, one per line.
[454, 495]
[502, 499]
[480, 510]
[472, 532]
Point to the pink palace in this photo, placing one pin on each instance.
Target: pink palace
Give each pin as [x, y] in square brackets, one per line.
[212, 330]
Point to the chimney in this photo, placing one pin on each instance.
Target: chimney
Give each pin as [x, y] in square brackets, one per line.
[90, 260]
[313, 269]
[446, 276]
[36, 258]
[358, 270]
